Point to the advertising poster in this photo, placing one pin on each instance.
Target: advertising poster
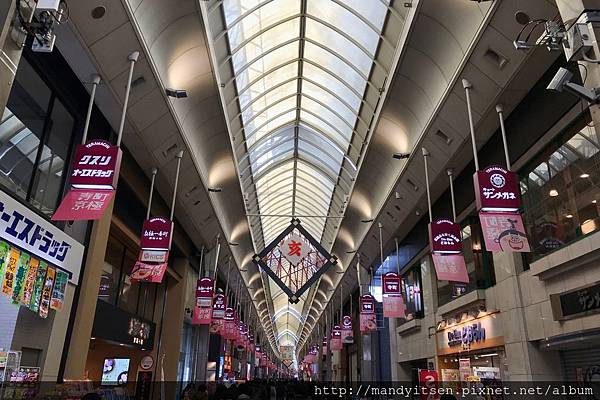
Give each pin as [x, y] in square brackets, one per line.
[115, 371]
[428, 380]
[4, 249]
[347, 331]
[9, 272]
[47, 292]
[504, 232]
[450, 267]
[30, 281]
[58, 293]
[202, 314]
[22, 269]
[83, 204]
[34, 305]
[393, 306]
[464, 368]
[148, 272]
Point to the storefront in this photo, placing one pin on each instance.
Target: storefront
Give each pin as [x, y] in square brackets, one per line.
[39, 270]
[471, 350]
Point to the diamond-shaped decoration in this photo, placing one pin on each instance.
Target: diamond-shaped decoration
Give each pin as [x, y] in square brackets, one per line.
[294, 260]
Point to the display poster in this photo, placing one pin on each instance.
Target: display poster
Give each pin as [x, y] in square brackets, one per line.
[34, 264]
[428, 381]
[4, 253]
[148, 272]
[34, 305]
[464, 367]
[347, 331]
[504, 232]
[10, 272]
[19, 284]
[47, 292]
[450, 267]
[204, 296]
[58, 293]
[393, 306]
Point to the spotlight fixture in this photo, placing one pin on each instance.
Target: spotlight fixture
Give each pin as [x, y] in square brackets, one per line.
[569, 216]
[233, 244]
[401, 156]
[366, 221]
[176, 93]
[553, 193]
[215, 189]
[584, 175]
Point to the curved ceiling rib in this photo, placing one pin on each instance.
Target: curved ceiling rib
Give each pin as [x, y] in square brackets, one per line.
[297, 85]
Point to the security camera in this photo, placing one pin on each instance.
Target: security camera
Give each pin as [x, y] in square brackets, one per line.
[562, 81]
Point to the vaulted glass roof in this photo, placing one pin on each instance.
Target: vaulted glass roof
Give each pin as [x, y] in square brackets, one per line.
[296, 76]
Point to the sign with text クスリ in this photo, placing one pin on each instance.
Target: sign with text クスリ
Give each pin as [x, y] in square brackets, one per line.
[156, 234]
[25, 229]
[96, 165]
[444, 236]
[450, 267]
[204, 295]
[497, 189]
[504, 232]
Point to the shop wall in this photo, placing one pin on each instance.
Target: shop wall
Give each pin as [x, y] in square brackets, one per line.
[537, 291]
[99, 350]
[8, 320]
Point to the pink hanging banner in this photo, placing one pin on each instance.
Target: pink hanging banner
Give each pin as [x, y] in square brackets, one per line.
[336, 339]
[347, 332]
[83, 205]
[229, 326]
[218, 315]
[450, 267]
[93, 181]
[202, 314]
[504, 232]
[148, 272]
[368, 319]
[393, 306]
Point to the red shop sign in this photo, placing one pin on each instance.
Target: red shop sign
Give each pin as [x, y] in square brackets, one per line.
[391, 283]
[156, 234]
[367, 304]
[444, 236]
[96, 165]
[428, 380]
[203, 309]
[497, 189]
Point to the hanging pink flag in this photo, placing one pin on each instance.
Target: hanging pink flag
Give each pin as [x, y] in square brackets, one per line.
[450, 267]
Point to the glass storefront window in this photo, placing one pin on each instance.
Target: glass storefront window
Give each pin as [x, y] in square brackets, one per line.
[412, 292]
[36, 131]
[560, 191]
[480, 265]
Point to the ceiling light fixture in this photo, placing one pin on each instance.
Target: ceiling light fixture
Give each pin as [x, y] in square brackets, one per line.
[215, 189]
[569, 216]
[366, 221]
[401, 156]
[176, 93]
[553, 193]
[584, 175]
[233, 244]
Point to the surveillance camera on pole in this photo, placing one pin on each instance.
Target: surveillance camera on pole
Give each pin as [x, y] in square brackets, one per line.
[562, 82]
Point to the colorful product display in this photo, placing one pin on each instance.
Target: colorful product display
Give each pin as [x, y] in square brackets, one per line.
[30, 282]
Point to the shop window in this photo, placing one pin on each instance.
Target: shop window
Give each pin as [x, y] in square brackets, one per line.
[412, 292]
[479, 262]
[130, 293]
[111, 271]
[30, 357]
[560, 191]
[36, 132]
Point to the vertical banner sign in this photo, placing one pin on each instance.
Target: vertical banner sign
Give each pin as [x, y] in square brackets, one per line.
[368, 318]
[10, 271]
[393, 303]
[22, 269]
[498, 200]
[218, 315]
[34, 305]
[93, 181]
[446, 249]
[30, 281]
[229, 328]
[47, 292]
[203, 308]
[325, 345]
[58, 293]
[347, 332]
[428, 381]
[155, 243]
[336, 338]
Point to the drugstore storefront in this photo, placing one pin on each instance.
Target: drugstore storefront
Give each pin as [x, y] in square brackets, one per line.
[39, 270]
[472, 350]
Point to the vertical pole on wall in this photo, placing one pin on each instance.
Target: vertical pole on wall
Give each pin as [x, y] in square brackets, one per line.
[380, 226]
[397, 256]
[133, 57]
[426, 154]
[468, 87]
[179, 156]
[358, 273]
[218, 250]
[450, 173]
[341, 301]
[500, 111]
[95, 82]
[154, 172]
